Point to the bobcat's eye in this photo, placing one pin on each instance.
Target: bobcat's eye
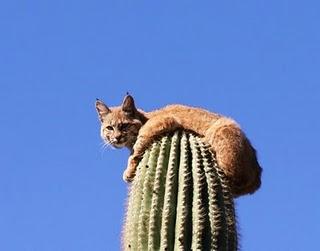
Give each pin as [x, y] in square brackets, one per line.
[124, 126]
[110, 128]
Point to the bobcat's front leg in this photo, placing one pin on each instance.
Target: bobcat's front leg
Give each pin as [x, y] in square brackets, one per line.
[150, 131]
[130, 171]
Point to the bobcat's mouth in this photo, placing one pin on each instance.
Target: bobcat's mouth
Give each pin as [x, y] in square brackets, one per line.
[119, 143]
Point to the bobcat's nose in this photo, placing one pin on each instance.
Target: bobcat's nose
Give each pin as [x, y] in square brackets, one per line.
[117, 138]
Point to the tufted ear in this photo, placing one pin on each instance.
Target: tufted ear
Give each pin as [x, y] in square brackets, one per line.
[102, 109]
[128, 105]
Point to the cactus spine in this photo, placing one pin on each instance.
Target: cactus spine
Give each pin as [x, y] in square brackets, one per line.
[180, 199]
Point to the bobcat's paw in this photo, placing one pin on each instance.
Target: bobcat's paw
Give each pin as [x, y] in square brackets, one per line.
[130, 171]
[128, 176]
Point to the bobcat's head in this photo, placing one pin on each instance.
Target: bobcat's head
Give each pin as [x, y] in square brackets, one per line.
[120, 125]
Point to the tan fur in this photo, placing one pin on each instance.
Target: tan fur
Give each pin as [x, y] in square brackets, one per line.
[234, 153]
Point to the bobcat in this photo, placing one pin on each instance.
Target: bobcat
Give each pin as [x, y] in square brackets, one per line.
[127, 126]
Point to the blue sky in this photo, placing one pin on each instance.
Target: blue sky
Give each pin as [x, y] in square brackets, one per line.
[255, 61]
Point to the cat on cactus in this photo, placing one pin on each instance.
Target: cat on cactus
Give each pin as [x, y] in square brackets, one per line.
[127, 126]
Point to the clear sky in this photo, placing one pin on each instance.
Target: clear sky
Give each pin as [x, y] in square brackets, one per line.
[256, 61]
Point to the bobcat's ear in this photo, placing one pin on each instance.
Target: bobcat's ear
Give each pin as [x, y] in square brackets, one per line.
[102, 109]
[128, 105]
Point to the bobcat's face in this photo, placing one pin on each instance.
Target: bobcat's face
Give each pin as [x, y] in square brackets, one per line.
[119, 125]
[120, 130]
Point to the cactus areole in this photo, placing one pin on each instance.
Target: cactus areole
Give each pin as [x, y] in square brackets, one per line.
[179, 199]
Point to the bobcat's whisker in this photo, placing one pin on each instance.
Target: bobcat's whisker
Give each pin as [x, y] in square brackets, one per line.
[104, 146]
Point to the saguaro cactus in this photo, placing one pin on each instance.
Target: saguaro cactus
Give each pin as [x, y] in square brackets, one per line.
[180, 199]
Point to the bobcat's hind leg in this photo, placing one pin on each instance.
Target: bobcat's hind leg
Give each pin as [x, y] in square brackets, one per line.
[235, 155]
[150, 131]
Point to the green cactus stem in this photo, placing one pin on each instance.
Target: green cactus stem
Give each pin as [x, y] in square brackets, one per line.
[180, 199]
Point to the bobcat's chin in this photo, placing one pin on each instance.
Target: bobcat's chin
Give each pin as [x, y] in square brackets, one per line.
[120, 143]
